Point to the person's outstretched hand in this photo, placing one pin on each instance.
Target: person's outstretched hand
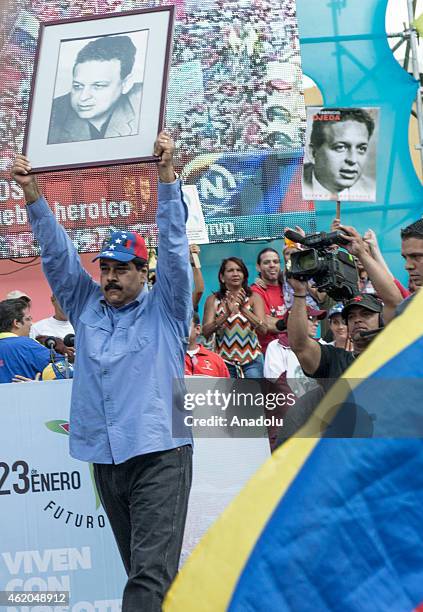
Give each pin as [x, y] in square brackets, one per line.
[21, 173]
[164, 148]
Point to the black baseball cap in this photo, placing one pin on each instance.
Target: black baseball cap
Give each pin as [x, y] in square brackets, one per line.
[365, 300]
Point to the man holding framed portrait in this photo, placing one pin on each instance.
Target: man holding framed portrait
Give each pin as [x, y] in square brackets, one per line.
[131, 346]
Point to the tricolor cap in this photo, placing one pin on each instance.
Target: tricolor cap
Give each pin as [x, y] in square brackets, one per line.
[124, 246]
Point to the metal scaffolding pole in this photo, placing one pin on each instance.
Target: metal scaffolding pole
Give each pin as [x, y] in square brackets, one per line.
[416, 74]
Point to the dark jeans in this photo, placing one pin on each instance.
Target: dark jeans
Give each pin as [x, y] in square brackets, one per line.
[254, 369]
[146, 500]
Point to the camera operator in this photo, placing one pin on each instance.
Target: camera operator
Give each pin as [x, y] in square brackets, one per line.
[363, 314]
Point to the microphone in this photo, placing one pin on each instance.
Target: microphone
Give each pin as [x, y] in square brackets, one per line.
[369, 332]
[69, 340]
[294, 236]
[50, 342]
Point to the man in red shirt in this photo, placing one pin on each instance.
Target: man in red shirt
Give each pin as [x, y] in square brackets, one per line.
[200, 361]
[270, 289]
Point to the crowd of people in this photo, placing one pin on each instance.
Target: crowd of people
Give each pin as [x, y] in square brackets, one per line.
[224, 52]
[34, 351]
[246, 330]
[278, 329]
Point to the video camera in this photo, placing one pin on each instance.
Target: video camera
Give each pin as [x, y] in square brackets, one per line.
[333, 272]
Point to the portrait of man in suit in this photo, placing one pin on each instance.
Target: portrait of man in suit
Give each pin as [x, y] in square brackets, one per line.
[339, 147]
[104, 100]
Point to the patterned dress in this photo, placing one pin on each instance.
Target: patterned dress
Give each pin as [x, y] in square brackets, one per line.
[236, 341]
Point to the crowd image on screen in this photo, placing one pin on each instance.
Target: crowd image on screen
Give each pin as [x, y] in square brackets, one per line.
[234, 88]
[235, 107]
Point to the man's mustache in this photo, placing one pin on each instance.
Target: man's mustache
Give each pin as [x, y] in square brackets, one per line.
[112, 286]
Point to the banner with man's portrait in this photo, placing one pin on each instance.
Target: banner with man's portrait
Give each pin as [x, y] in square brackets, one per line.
[340, 155]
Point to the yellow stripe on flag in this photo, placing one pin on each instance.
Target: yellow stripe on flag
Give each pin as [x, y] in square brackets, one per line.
[209, 576]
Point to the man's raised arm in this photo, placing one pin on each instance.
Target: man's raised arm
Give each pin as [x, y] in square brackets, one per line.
[379, 274]
[174, 274]
[307, 350]
[61, 265]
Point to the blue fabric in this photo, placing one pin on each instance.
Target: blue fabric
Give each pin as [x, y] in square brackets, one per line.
[126, 359]
[346, 536]
[395, 407]
[21, 355]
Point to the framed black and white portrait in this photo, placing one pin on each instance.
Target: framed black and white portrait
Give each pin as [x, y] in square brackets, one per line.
[340, 154]
[99, 90]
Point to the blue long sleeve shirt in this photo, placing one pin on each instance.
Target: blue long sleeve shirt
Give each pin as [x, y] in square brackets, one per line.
[127, 359]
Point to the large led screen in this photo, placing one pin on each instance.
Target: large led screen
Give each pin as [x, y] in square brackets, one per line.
[235, 108]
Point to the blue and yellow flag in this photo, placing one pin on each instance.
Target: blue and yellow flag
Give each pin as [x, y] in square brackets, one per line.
[329, 523]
